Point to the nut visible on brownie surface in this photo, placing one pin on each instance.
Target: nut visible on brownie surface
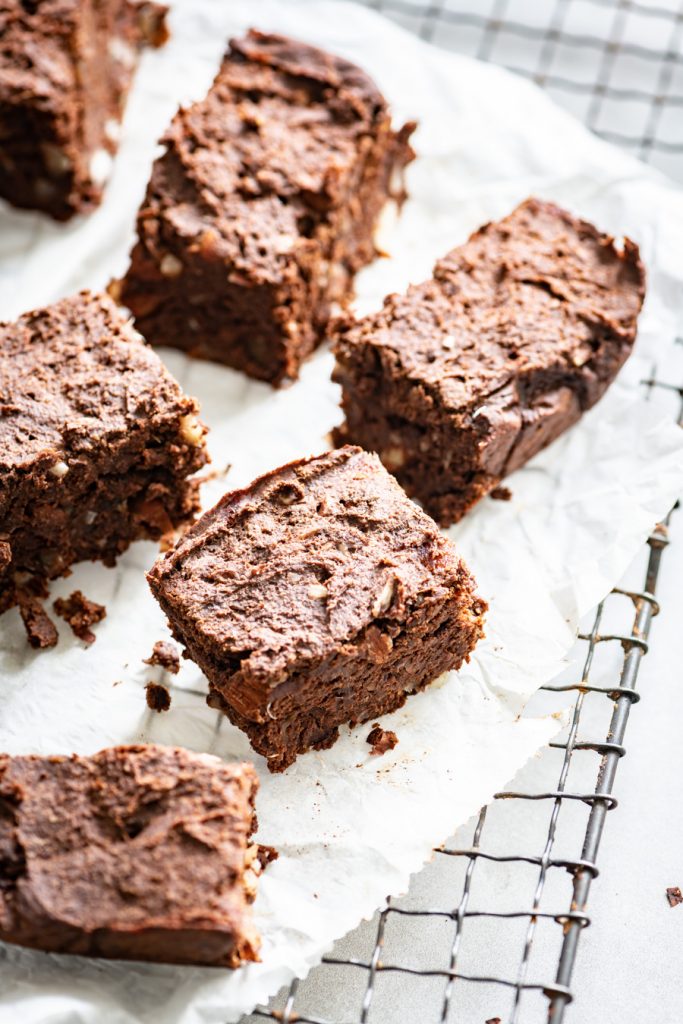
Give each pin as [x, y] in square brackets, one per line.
[97, 441]
[462, 379]
[263, 207]
[136, 853]
[65, 70]
[325, 609]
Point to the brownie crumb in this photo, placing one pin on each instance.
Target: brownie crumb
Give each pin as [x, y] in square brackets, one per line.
[153, 26]
[40, 629]
[674, 896]
[266, 855]
[164, 654]
[158, 697]
[381, 739]
[493, 1020]
[501, 494]
[81, 614]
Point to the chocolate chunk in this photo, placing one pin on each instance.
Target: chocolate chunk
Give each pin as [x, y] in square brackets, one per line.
[674, 896]
[157, 696]
[381, 739]
[165, 655]
[81, 614]
[263, 207]
[135, 853]
[98, 432]
[65, 70]
[317, 596]
[465, 377]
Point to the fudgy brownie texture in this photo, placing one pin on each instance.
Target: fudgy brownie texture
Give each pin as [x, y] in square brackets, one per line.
[263, 207]
[319, 595]
[462, 379]
[135, 853]
[65, 70]
[96, 441]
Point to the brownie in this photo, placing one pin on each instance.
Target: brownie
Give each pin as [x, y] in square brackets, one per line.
[65, 70]
[263, 206]
[462, 379]
[135, 853]
[96, 440]
[320, 595]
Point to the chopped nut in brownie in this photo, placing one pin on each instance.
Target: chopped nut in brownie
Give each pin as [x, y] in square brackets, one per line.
[157, 696]
[165, 654]
[674, 896]
[40, 629]
[381, 739]
[81, 614]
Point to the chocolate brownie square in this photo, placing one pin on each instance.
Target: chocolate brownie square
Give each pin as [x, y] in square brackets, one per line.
[263, 206]
[461, 380]
[65, 70]
[320, 595]
[97, 440]
[135, 853]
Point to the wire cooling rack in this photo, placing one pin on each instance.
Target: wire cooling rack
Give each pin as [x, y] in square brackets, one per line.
[616, 64]
[619, 66]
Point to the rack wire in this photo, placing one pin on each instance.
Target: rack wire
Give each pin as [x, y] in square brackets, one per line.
[617, 64]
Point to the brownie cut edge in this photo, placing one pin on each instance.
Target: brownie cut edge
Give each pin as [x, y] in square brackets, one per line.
[318, 596]
[462, 379]
[135, 853]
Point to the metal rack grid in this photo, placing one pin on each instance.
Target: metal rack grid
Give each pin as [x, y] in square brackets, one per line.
[629, 62]
[616, 64]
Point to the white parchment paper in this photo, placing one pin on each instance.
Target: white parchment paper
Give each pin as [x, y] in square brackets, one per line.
[351, 828]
